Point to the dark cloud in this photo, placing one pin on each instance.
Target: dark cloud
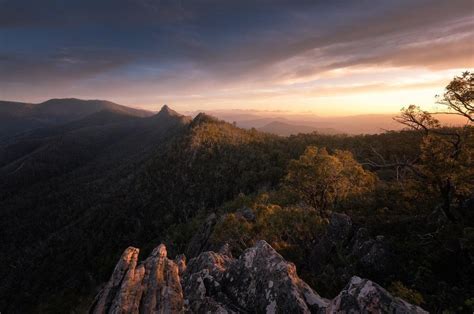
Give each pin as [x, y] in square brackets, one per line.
[62, 66]
[69, 41]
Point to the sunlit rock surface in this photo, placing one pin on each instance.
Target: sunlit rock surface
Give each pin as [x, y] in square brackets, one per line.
[259, 281]
[364, 296]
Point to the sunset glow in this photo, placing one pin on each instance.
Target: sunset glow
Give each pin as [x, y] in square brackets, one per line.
[325, 58]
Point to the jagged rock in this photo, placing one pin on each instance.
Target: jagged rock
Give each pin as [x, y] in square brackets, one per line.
[151, 287]
[365, 296]
[203, 283]
[113, 295]
[342, 238]
[200, 241]
[162, 284]
[259, 281]
[262, 281]
[372, 254]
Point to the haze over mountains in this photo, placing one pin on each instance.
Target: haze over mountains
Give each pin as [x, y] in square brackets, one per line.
[287, 123]
[17, 117]
[82, 180]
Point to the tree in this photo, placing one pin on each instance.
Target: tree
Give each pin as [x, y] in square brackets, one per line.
[459, 95]
[446, 162]
[321, 179]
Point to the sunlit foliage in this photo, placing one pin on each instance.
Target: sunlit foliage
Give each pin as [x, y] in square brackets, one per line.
[322, 179]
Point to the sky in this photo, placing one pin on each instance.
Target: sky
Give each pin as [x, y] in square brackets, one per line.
[323, 57]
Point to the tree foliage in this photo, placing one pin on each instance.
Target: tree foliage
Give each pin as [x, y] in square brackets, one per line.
[291, 230]
[459, 95]
[445, 165]
[322, 179]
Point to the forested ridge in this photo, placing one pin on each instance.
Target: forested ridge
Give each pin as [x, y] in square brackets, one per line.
[74, 196]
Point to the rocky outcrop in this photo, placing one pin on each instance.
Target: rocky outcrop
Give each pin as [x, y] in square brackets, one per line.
[259, 281]
[365, 296]
[362, 253]
[153, 286]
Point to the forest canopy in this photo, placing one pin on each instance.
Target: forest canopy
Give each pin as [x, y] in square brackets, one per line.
[396, 207]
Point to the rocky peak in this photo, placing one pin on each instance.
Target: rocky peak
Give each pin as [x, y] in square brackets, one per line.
[149, 287]
[260, 280]
[166, 111]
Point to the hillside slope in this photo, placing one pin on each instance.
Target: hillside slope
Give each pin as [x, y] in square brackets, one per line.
[16, 117]
[73, 196]
[66, 191]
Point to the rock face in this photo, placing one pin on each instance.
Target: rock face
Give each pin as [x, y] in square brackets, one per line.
[364, 254]
[259, 281]
[151, 287]
[365, 296]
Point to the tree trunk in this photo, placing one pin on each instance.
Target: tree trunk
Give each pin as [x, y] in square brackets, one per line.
[446, 192]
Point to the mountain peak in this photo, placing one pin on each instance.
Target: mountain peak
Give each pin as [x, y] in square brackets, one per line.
[167, 111]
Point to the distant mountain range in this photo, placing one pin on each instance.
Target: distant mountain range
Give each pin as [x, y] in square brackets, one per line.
[18, 117]
[286, 129]
[287, 123]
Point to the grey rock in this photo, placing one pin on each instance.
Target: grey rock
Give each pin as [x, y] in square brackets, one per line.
[259, 281]
[203, 283]
[365, 296]
[262, 281]
[342, 238]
